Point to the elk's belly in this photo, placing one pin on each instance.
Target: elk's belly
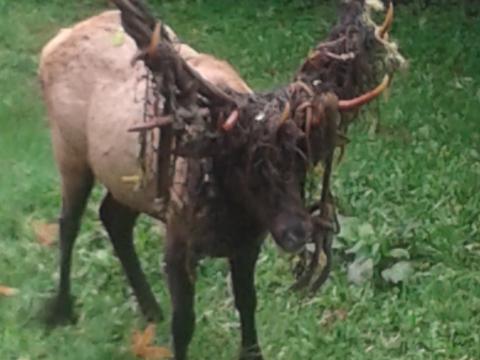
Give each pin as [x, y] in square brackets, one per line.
[113, 151]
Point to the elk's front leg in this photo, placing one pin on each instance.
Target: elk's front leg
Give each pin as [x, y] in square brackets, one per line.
[180, 273]
[243, 279]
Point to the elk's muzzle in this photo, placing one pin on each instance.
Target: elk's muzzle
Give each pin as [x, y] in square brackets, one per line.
[294, 239]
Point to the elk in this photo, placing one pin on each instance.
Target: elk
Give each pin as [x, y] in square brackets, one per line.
[244, 181]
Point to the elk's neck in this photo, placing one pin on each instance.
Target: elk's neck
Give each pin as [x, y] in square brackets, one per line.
[212, 209]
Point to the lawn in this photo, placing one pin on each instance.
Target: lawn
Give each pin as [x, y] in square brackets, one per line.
[409, 193]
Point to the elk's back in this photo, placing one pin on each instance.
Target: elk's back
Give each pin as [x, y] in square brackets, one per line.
[93, 96]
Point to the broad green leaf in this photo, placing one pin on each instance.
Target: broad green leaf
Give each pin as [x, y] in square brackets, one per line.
[399, 272]
[348, 227]
[365, 230]
[400, 253]
[360, 271]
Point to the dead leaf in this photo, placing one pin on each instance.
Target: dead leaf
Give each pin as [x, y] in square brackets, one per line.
[7, 291]
[332, 316]
[157, 353]
[45, 233]
[142, 340]
[142, 348]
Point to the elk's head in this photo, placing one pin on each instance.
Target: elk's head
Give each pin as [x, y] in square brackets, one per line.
[303, 123]
[269, 170]
[292, 130]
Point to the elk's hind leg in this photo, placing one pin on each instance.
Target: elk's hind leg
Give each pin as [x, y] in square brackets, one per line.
[77, 183]
[119, 222]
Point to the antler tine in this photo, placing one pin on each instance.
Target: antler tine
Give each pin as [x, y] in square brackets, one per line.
[348, 105]
[155, 40]
[383, 30]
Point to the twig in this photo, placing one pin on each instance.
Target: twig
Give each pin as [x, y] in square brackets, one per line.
[157, 123]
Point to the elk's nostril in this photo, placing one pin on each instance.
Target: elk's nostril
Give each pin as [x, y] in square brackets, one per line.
[299, 232]
[294, 239]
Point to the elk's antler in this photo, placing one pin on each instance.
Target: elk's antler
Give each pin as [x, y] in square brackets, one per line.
[327, 84]
[347, 105]
[143, 28]
[137, 20]
[186, 105]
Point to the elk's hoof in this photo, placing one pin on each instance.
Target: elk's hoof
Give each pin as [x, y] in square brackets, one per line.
[59, 311]
[252, 353]
[152, 313]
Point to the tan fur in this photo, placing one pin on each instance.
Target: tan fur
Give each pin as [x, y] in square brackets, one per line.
[90, 89]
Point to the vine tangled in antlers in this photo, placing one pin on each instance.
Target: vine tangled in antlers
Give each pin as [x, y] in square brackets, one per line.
[199, 120]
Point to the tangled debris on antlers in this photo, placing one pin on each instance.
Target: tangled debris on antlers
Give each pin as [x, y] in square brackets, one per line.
[201, 120]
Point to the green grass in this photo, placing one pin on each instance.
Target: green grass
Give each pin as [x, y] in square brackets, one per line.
[414, 184]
